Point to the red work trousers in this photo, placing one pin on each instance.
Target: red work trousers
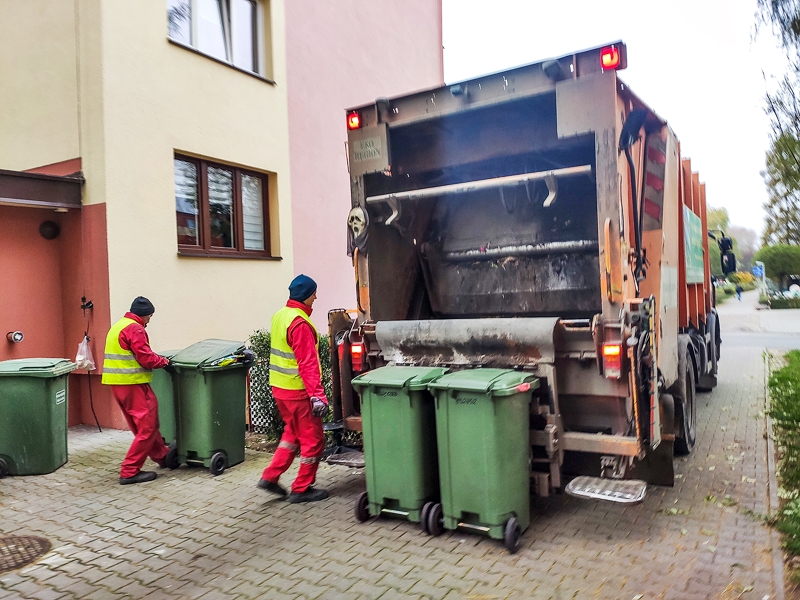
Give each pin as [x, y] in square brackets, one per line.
[140, 407]
[302, 431]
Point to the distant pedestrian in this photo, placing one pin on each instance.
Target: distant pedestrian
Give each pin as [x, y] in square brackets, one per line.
[296, 379]
[128, 369]
[739, 290]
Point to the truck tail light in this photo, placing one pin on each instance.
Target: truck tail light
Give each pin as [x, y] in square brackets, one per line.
[353, 120]
[612, 360]
[609, 58]
[357, 355]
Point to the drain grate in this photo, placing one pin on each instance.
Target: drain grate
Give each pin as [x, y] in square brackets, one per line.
[16, 551]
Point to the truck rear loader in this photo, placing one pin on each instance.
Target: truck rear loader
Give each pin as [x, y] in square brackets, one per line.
[540, 219]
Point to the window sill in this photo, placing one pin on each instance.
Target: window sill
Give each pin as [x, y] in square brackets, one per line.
[206, 254]
[222, 62]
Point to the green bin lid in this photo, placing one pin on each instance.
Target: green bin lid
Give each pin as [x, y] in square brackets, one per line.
[497, 382]
[415, 378]
[204, 353]
[36, 367]
[168, 353]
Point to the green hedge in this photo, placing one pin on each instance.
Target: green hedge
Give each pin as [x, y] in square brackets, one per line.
[262, 405]
[784, 390]
[779, 303]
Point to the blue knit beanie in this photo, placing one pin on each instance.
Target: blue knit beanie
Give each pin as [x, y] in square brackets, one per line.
[302, 288]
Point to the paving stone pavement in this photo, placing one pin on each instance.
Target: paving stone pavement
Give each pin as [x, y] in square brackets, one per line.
[191, 535]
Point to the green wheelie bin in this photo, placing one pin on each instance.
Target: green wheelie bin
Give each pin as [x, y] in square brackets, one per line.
[164, 389]
[482, 432]
[34, 396]
[399, 442]
[210, 398]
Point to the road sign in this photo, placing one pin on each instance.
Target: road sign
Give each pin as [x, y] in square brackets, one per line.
[758, 271]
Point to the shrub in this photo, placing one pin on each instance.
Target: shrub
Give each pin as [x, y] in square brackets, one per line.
[779, 303]
[264, 415]
[742, 277]
[784, 389]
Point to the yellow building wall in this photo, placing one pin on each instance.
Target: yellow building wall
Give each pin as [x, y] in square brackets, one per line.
[158, 98]
[38, 83]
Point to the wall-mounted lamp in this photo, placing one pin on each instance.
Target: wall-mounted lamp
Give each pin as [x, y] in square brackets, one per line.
[15, 337]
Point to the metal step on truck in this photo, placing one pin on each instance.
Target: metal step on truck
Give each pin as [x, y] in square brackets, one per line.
[541, 219]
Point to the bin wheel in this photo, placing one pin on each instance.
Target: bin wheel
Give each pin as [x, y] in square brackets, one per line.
[361, 510]
[219, 462]
[435, 520]
[3, 468]
[173, 461]
[512, 535]
[423, 521]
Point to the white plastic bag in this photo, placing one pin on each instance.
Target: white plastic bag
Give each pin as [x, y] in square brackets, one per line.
[84, 358]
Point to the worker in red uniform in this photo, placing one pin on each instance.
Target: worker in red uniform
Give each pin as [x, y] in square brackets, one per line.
[128, 368]
[296, 379]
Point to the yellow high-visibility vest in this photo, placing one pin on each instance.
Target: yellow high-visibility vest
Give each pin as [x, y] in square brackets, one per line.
[283, 372]
[119, 365]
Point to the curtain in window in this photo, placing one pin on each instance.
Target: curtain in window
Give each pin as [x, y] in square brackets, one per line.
[253, 212]
[243, 19]
[210, 29]
[186, 202]
[220, 205]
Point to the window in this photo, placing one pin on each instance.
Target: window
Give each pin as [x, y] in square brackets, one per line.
[220, 210]
[223, 29]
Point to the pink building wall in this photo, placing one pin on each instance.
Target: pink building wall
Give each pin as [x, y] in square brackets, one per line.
[339, 55]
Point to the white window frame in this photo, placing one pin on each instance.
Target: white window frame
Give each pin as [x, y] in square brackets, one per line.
[259, 43]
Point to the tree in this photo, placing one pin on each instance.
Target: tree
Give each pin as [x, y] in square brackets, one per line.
[782, 175]
[745, 239]
[780, 261]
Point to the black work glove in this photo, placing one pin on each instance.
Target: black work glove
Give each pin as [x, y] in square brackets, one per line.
[248, 356]
[169, 368]
[319, 408]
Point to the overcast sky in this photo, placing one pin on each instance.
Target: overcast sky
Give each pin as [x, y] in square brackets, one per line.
[694, 62]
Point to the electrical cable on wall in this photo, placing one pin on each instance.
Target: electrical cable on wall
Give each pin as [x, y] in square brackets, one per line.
[85, 360]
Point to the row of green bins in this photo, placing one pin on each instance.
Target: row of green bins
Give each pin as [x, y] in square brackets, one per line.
[210, 387]
[164, 389]
[34, 412]
[481, 442]
[399, 434]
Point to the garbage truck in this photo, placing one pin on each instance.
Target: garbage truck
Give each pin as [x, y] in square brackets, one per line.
[542, 219]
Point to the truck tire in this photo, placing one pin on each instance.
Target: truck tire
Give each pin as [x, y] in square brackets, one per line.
[685, 405]
[708, 381]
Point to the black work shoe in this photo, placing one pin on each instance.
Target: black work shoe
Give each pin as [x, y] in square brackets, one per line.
[171, 459]
[140, 477]
[310, 495]
[272, 486]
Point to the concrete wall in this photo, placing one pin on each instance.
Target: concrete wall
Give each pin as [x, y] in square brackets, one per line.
[158, 98]
[339, 55]
[38, 83]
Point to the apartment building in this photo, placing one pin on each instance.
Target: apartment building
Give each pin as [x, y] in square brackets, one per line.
[145, 149]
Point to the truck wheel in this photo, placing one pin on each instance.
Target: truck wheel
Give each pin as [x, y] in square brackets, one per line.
[685, 405]
[708, 381]
[3, 468]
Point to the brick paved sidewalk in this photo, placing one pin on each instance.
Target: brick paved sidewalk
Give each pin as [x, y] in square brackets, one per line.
[190, 535]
